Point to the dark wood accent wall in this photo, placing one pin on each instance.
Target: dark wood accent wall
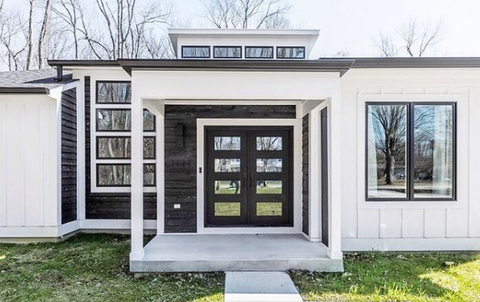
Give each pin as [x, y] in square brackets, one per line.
[305, 166]
[108, 205]
[181, 162]
[69, 155]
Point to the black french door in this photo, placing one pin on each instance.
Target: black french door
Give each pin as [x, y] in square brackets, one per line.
[248, 176]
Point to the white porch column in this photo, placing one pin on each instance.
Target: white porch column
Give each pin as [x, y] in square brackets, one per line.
[314, 181]
[335, 168]
[157, 107]
[137, 178]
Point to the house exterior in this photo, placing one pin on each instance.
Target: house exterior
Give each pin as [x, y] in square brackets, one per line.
[244, 153]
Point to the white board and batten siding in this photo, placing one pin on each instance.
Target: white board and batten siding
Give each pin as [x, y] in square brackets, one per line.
[28, 166]
[411, 225]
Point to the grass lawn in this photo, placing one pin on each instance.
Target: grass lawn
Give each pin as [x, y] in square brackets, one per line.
[396, 277]
[95, 268]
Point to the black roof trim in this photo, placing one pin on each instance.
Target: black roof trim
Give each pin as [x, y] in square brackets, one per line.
[22, 90]
[329, 65]
[86, 63]
[423, 62]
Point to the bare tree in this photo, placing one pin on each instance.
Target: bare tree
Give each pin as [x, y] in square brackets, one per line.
[12, 39]
[43, 33]
[68, 11]
[247, 13]
[415, 37]
[30, 34]
[125, 28]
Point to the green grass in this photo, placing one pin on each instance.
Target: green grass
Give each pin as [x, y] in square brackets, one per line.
[93, 268]
[396, 277]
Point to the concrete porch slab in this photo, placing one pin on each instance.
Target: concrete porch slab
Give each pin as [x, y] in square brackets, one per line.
[207, 253]
[260, 287]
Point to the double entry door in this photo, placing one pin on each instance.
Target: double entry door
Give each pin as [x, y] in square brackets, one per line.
[248, 176]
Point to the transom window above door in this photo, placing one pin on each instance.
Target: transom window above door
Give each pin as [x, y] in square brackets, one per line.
[411, 151]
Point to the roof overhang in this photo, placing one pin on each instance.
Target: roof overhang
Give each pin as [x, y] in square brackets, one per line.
[340, 66]
[407, 62]
[24, 90]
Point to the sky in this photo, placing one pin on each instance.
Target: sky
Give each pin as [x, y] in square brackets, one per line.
[351, 26]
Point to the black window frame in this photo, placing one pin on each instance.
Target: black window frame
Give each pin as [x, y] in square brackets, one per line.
[291, 58]
[259, 58]
[410, 160]
[228, 57]
[98, 165]
[197, 46]
[98, 137]
[111, 82]
[129, 130]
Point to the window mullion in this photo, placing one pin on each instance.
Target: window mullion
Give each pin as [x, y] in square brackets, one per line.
[410, 150]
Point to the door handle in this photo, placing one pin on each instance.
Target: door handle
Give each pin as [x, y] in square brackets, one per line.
[244, 180]
[251, 180]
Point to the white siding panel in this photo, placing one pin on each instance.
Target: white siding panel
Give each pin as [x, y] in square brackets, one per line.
[15, 165]
[391, 224]
[33, 179]
[474, 223]
[435, 223]
[28, 162]
[368, 224]
[457, 223]
[50, 169]
[413, 223]
[3, 197]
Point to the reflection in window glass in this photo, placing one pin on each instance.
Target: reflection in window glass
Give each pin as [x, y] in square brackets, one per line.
[269, 209]
[114, 92]
[227, 143]
[196, 51]
[269, 187]
[227, 52]
[433, 151]
[290, 52]
[227, 209]
[120, 147]
[227, 187]
[112, 175]
[386, 151]
[113, 120]
[269, 143]
[227, 165]
[259, 52]
[148, 121]
[269, 165]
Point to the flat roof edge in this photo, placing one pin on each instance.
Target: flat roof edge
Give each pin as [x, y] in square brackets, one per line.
[24, 90]
[417, 62]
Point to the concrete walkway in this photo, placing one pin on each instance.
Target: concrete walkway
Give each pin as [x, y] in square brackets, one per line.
[260, 287]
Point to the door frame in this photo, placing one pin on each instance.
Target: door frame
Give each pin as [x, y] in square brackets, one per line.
[296, 185]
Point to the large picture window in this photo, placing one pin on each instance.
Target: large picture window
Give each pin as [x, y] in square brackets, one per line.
[111, 140]
[410, 151]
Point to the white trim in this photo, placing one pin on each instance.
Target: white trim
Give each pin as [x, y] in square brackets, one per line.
[94, 133]
[81, 169]
[114, 224]
[297, 174]
[231, 102]
[412, 244]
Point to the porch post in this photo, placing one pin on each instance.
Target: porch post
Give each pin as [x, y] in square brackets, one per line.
[335, 168]
[137, 178]
[314, 181]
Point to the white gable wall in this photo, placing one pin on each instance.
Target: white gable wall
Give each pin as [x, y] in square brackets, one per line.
[411, 225]
[28, 165]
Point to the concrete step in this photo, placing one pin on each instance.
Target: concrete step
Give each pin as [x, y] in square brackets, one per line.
[260, 287]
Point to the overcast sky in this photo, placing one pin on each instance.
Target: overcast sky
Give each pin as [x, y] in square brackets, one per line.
[352, 25]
